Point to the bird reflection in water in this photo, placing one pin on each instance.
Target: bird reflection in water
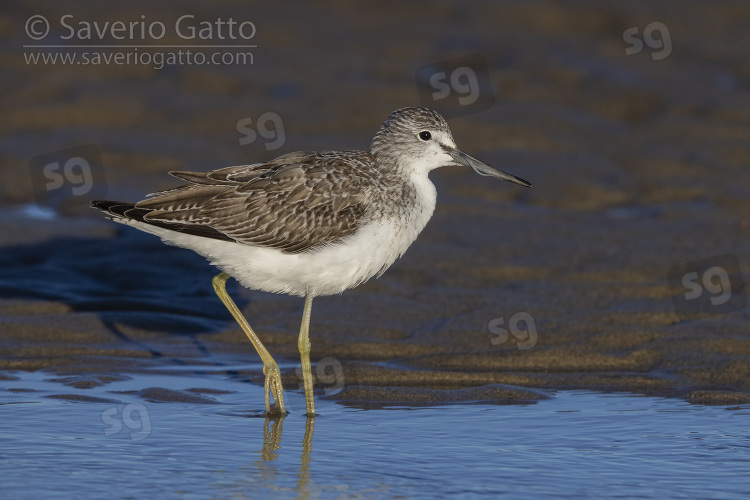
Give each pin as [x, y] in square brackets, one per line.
[272, 431]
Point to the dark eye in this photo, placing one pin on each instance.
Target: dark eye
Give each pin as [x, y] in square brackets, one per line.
[425, 135]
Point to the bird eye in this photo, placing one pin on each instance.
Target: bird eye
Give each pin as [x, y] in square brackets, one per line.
[425, 135]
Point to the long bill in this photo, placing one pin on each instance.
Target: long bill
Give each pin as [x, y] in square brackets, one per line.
[483, 169]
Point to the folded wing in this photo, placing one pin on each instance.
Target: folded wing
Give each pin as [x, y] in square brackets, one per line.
[296, 202]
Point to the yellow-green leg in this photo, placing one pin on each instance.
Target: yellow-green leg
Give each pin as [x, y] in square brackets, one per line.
[270, 368]
[304, 350]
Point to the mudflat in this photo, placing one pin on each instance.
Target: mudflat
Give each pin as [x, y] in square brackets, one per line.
[600, 277]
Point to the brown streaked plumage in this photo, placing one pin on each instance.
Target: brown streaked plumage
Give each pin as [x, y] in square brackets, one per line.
[307, 223]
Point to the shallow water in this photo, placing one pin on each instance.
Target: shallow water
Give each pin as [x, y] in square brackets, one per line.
[578, 444]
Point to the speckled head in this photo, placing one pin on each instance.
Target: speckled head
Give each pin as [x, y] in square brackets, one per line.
[412, 138]
[418, 140]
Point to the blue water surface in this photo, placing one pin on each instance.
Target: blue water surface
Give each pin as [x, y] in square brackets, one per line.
[577, 444]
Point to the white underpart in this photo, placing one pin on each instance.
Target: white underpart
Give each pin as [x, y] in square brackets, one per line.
[325, 271]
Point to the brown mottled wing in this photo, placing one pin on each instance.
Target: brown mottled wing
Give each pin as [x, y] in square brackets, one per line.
[295, 202]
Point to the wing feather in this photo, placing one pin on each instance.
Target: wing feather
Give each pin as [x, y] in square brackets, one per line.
[295, 202]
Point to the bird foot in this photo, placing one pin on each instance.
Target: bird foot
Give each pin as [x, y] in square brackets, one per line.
[273, 388]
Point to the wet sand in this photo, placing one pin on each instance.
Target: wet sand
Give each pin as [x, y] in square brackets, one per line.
[639, 165]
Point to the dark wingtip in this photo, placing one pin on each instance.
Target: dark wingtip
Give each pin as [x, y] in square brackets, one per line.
[111, 207]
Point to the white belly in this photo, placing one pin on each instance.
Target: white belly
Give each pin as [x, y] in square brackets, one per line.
[325, 271]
